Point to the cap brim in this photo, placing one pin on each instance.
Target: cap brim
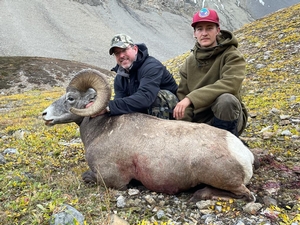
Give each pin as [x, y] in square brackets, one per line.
[194, 24]
[118, 45]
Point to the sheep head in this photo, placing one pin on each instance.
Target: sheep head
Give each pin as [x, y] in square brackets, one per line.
[86, 86]
[90, 78]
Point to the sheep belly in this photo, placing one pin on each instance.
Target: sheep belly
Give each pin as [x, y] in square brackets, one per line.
[173, 173]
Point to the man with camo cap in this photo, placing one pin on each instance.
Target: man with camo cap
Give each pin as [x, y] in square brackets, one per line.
[142, 84]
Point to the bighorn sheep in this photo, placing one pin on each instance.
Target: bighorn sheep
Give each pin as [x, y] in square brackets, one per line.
[164, 155]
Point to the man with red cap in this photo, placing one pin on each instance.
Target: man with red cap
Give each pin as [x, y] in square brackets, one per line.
[211, 77]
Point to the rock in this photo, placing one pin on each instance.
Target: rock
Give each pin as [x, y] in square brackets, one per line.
[66, 216]
[252, 208]
[115, 220]
[150, 200]
[209, 218]
[137, 202]
[265, 129]
[20, 134]
[205, 204]
[132, 192]
[2, 159]
[121, 201]
[284, 122]
[270, 213]
[251, 61]
[160, 214]
[218, 208]
[286, 133]
[275, 111]
[267, 135]
[271, 186]
[295, 121]
[10, 151]
[260, 66]
[284, 117]
[252, 114]
[269, 201]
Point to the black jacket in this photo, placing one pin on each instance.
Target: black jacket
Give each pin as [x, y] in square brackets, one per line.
[137, 91]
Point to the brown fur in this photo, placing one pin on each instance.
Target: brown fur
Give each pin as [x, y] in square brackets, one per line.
[174, 157]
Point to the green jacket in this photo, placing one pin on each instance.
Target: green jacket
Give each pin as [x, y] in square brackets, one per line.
[208, 73]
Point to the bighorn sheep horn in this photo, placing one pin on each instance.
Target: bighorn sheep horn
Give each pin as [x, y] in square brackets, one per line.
[89, 78]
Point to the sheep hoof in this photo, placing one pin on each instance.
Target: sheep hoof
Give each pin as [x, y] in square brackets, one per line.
[252, 199]
[89, 177]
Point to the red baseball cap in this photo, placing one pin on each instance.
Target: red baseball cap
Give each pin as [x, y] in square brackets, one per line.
[205, 15]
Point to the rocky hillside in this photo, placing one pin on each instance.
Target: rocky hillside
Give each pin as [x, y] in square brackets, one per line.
[81, 30]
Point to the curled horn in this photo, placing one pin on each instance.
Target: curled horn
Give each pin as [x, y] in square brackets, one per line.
[90, 78]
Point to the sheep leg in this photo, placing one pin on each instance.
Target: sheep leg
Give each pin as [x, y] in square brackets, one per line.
[114, 181]
[214, 193]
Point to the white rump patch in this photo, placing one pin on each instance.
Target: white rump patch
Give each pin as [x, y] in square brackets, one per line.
[242, 154]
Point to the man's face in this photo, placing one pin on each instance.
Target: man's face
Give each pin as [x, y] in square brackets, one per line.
[206, 34]
[125, 56]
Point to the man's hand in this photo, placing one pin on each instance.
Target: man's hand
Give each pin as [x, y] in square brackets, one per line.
[178, 112]
[99, 113]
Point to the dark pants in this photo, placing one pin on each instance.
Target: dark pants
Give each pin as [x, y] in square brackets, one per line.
[226, 108]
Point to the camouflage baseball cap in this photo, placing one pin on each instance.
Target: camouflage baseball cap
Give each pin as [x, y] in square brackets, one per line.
[120, 41]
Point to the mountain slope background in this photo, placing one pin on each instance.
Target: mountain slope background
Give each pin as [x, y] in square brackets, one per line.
[81, 30]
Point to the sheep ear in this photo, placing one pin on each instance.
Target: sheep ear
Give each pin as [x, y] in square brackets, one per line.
[86, 79]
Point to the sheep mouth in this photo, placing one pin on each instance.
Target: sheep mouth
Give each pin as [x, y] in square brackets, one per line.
[49, 122]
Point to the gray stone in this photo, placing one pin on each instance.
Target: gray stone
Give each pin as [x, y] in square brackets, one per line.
[252, 208]
[286, 133]
[20, 134]
[269, 201]
[260, 66]
[115, 220]
[132, 191]
[2, 159]
[67, 216]
[150, 199]
[121, 201]
[10, 151]
[205, 204]
[160, 214]
[284, 117]
[275, 111]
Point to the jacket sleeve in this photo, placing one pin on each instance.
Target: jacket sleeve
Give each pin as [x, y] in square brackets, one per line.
[145, 95]
[183, 91]
[120, 91]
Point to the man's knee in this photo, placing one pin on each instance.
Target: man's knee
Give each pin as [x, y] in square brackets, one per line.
[227, 107]
[164, 104]
[225, 100]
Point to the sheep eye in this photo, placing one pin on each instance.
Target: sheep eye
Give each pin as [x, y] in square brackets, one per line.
[70, 99]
